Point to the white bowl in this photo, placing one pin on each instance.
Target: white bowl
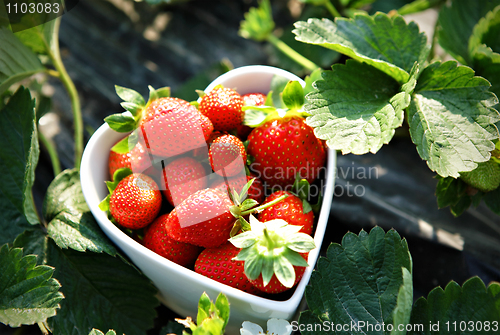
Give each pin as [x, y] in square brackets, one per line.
[180, 288]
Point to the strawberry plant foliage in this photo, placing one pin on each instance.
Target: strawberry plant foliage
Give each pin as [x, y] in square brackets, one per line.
[19, 139]
[455, 305]
[367, 277]
[28, 293]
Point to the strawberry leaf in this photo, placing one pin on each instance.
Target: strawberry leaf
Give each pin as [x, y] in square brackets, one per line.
[122, 122]
[356, 108]
[258, 115]
[19, 140]
[28, 293]
[17, 61]
[456, 23]
[293, 95]
[258, 23]
[370, 39]
[117, 177]
[473, 303]
[361, 279]
[492, 200]
[70, 223]
[129, 95]
[451, 118]
[98, 332]
[284, 271]
[127, 144]
[101, 291]
[133, 108]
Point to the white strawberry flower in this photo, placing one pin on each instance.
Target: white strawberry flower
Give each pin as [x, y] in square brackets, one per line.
[274, 327]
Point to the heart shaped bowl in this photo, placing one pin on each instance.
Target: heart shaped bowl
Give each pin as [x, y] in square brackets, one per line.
[180, 288]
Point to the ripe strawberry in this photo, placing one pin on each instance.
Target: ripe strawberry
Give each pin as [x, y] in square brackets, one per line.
[157, 240]
[274, 285]
[223, 107]
[219, 265]
[173, 126]
[136, 159]
[256, 191]
[227, 155]
[283, 148]
[202, 219]
[135, 202]
[254, 99]
[183, 177]
[290, 210]
[250, 99]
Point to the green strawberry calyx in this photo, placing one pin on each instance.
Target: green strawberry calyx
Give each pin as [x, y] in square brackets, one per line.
[301, 188]
[117, 177]
[134, 104]
[289, 102]
[272, 248]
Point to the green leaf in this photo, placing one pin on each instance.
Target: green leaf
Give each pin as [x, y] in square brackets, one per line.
[456, 306]
[258, 23]
[129, 95]
[70, 223]
[223, 309]
[451, 118]
[278, 84]
[284, 271]
[492, 200]
[258, 115]
[388, 44]
[293, 95]
[41, 38]
[356, 108]
[98, 332]
[360, 280]
[19, 153]
[486, 31]
[456, 23]
[33, 242]
[127, 144]
[310, 79]
[122, 122]
[28, 293]
[16, 60]
[101, 292]
[487, 65]
[453, 192]
[402, 312]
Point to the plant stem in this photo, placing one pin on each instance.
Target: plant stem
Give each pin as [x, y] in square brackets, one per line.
[331, 8]
[262, 207]
[283, 47]
[51, 149]
[55, 56]
[418, 6]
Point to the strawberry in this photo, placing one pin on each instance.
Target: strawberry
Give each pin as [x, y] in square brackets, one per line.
[274, 253]
[202, 219]
[283, 148]
[256, 190]
[254, 99]
[290, 209]
[275, 286]
[157, 240]
[250, 99]
[183, 177]
[227, 155]
[135, 202]
[223, 107]
[173, 126]
[136, 159]
[219, 265]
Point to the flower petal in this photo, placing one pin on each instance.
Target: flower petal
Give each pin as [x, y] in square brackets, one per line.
[251, 328]
[279, 327]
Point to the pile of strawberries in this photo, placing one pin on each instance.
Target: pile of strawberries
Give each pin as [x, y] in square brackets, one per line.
[195, 184]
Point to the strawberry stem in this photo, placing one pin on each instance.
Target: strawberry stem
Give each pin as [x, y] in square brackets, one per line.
[269, 240]
[264, 206]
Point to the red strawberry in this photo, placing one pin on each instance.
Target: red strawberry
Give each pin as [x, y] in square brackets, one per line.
[157, 240]
[283, 148]
[135, 202]
[274, 286]
[254, 99]
[173, 126]
[183, 177]
[223, 107]
[202, 219]
[256, 191]
[136, 159]
[218, 264]
[227, 155]
[290, 210]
